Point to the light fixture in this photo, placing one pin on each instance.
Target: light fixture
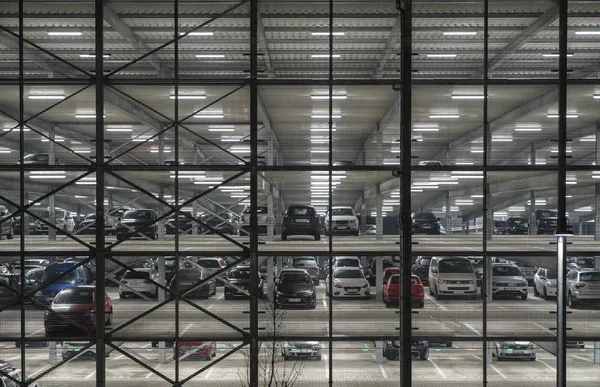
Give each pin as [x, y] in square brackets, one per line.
[209, 116]
[476, 150]
[325, 116]
[556, 55]
[209, 56]
[119, 128]
[590, 138]
[319, 151]
[596, 96]
[516, 208]
[322, 129]
[231, 139]
[571, 115]
[46, 96]
[464, 163]
[502, 139]
[467, 96]
[197, 33]
[334, 33]
[188, 96]
[321, 56]
[441, 55]
[426, 129]
[501, 213]
[528, 129]
[93, 56]
[587, 32]
[82, 151]
[584, 209]
[90, 115]
[47, 174]
[459, 33]
[477, 196]
[240, 149]
[208, 182]
[222, 129]
[5, 150]
[65, 33]
[319, 140]
[56, 139]
[434, 116]
[319, 163]
[14, 129]
[326, 97]
[142, 139]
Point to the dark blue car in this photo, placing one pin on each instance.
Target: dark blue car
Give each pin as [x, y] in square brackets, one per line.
[51, 284]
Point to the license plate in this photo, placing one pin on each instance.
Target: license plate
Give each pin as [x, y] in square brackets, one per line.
[459, 291]
[294, 300]
[305, 350]
[426, 226]
[519, 352]
[301, 220]
[352, 290]
[342, 227]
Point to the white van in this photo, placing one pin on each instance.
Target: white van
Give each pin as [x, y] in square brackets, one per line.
[452, 276]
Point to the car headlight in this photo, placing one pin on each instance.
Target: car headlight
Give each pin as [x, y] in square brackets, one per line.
[337, 284]
[503, 346]
[530, 346]
[307, 293]
[524, 282]
[471, 282]
[317, 346]
[365, 285]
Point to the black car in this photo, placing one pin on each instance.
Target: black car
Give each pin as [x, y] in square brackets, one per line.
[307, 263]
[185, 224]
[300, 220]
[516, 225]
[426, 223]
[574, 263]
[189, 283]
[136, 220]
[547, 221]
[420, 349]
[421, 269]
[239, 282]
[499, 226]
[222, 224]
[10, 284]
[87, 225]
[294, 288]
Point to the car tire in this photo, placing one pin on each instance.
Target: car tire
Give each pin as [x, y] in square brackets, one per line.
[424, 356]
[448, 344]
[286, 357]
[437, 295]
[284, 237]
[535, 291]
[545, 293]
[499, 358]
[572, 301]
[317, 237]
[109, 322]
[524, 296]
[355, 233]
[121, 296]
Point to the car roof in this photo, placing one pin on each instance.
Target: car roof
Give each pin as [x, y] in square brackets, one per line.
[341, 207]
[293, 270]
[347, 268]
[61, 265]
[505, 264]
[209, 258]
[141, 269]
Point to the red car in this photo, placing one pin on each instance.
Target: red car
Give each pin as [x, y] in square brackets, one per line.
[200, 349]
[387, 273]
[391, 291]
[78, 304]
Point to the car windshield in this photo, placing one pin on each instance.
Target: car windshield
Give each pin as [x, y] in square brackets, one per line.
[342, 212]
[455, 266]
[298, 278]
[348, 274]
[301, 211]
[512, 271]
[58, 214]
[170, 261]
[75, 296]
[396, 279]
[547, 214]
[239, 274]
[304, 262]
[587, 263]
[590, 276]
[347, 262]
[425, 261]
[90, 216]
[209, 263]
[52, 275]
[137, 214]
[143, 275]
[520, 221]
[551, 274]
[424, 216]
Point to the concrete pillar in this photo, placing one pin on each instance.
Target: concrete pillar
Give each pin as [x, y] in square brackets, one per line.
[596, 352]
[270, 215]
[52, 352]
[162, 353]
[379, 217]
[488, 277]
[51, 217]
[597, 211]
[363, 215]
[489, 347]
[111, 200]
[580, 228]
[379, 352]
[532, 218]
[271, 278]
[448, 217]
[195, 214]
[379, 279]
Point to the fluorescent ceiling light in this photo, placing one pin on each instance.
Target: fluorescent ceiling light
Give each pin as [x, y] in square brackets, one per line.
[464, 163]
[326, 97]
[238, 196]
[459, 33]
[319, 163]
[596, 96]
[209, 116]
[476, 150]
[568, 115]
[209, 56]
[15, 129]
[208, 182]
[239, 149]
[321, 56]
[502, 139]
[571, 182]
[5, 150]
[319, 151]
[322, 129]
[81, 151]
[467, 96]
[584, 209]
[555, 55]
[516, 208]
[325, 116]
[48, 96]
[591, 138]
[142, 139]
[47, 176]
[334, 33]
[528, 129]
[65, 33]
[90, 115]
[319, 140]
[423, 129]
[501, 213]
[476, 196]
[441, 55]
[231, 139]
[93, 56]
[444, 116]
[556, 150]
[56, 139]
[221, 129]
[198, 33]
[587, 32]
[187, 96]
[118, 129]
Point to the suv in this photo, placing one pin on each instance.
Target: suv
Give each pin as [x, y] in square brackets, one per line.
[508, 279]
[547, 221]
[300, 220]
[343, 220]
[134, 220]
[62, 220]
[574, 263]
[7, 371]
[7, 227]
[421, 268]
[452, 276]
[307, 263]
[544, 283]
[263, 220]
[583, 286]
[516, 225]
[426, 223]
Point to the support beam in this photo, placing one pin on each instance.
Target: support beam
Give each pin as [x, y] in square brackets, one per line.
[264, 47]
[390, 45]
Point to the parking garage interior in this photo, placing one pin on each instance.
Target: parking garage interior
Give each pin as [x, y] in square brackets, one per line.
[191, 158]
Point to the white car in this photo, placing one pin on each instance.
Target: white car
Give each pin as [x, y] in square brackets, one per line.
[371, 229]
[349, 282]
[62, 220]
[292, 350]
[544, 283]
[343, 220]
[139, 281]
[349, 261]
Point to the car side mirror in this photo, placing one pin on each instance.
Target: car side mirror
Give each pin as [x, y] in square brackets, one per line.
[80, 280]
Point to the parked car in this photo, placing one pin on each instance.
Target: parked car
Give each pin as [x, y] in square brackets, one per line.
[420, 349]
[348, 282]
[189, 283]
[523, 350]
[78, 303]
[8, 371]
[112, 218]
[452, 276]
[507, 279]
[87, 225]
[291, 350]
[239, 282]
[300, 220]
[370, 229]
[499, 226]
[547, 221]
[39, 159]
[426, 223]
[213, 265]
[516, 225]
[58, 276]
[140, 281]
[17, 224]
[223, 223]
[195, 349]
[391, 291]
[545, 283]
[421, 268]
[263, 218]
[35, 275]
[430, 163]
[186, 224]
[134, 220]
[63, 220]
[37, 261]
[386, 263]
[7, 226]
[307, 263]
[343, 220]
[581, 263]
[349, 261]
[294, 288]
[478, 266]
[583, 286]
[388, 272]
[10, 285]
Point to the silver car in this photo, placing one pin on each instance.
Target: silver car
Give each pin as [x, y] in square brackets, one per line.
[507, 279]
[292, 350]
[544, 283]
[583, 286]
[523, 350]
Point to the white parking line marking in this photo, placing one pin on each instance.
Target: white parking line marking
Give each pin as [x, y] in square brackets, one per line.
[547, 365]
[210, 371]
[575, 356]
[90, 375]
[325, 300]
[498, 372]
[435, 302]
[382, 371]
[438, 369]
[472, 328]
[542, 327]
[477, 357]
[18, 357]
